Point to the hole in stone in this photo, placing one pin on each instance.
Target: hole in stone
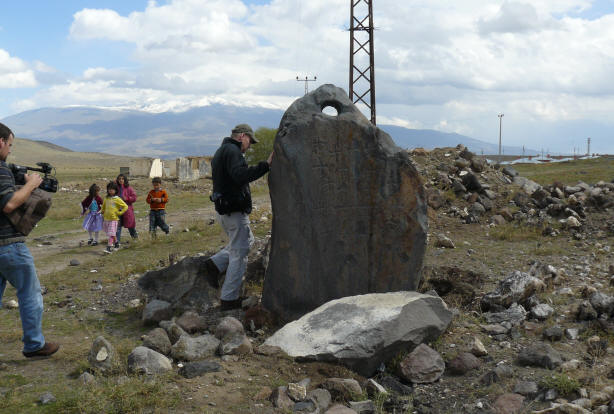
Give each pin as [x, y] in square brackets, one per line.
[330, 110]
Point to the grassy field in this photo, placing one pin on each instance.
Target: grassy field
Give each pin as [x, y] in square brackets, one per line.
[570, 172]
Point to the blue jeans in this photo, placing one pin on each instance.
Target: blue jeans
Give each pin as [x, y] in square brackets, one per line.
[156, 218]
[17, 267]
[132, 231]
[232, 259]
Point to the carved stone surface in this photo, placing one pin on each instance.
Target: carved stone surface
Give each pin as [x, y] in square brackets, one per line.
[349, 208]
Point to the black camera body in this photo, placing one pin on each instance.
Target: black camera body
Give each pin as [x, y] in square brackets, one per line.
[49, 184]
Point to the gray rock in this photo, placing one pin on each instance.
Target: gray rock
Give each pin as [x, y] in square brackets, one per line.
[458, 187]
[374, 388]
[86, 378]
[194, 349]
[515, 315]
[182, 284]
[296, 392]
[321, 397]
[509, 403]
[342, 193]
[192, 322]
[586, 312]
[602, 303]
[509, 171]
[74, 262]
[542, 311]
[572, 333]
[362, 407]
[471, 182]
[521, 199]
[422, 366]
[157, 311]
[527, 388]
[539, 355]
[173, 330]
[280, 398]
[477, 209]
[147, 361]
[102, 356]
[157, 339]
[463, 363]
[339, 409]
[198, 368]
[553, 333]
[342, 388]
[516, 287]
[393, 385]
[308, 406]
[371, 328]
[527, 185]
[46, 398]
[233, 340]
[490, 194]
[444, 241]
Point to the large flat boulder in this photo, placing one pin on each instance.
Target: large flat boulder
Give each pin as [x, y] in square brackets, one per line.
[363, 331]
[182, 284]
[349, 209]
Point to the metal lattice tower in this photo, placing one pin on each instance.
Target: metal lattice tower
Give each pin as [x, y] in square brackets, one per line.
[362, 58]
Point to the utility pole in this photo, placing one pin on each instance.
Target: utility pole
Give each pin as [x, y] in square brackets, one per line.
[500, 122]
[306, 80]
[588, 150]
[361, 46]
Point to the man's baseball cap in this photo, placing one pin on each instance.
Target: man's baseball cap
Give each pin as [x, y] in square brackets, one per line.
[247, 130]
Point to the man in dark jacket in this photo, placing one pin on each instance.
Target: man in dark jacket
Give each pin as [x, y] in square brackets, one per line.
[233, 203]
[16, 262]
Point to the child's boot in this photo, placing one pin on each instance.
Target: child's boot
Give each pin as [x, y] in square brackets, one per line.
[90, 241]
[116, 245]
[108, 250]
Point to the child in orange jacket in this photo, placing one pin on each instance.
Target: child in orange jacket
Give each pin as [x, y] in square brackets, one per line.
[157, 199]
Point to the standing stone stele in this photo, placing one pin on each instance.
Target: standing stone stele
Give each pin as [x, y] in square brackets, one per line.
[349, 208]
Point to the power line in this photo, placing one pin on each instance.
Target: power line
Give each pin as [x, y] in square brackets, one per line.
[362, 46]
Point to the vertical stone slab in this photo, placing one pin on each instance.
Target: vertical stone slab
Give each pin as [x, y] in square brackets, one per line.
[349, 209]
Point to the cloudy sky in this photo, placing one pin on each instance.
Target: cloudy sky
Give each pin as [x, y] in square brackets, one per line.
[440, 64]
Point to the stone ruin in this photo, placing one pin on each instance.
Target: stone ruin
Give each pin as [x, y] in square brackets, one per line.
[349, 209]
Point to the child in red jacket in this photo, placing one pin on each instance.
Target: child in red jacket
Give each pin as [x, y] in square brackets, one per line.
[157, 199]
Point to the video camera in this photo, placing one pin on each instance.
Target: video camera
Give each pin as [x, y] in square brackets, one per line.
[49, 184]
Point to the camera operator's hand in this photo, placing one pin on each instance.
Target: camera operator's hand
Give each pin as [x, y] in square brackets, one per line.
[33, 180]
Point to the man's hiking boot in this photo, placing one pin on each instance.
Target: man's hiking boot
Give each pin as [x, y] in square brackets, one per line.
[48, 349]
[212, 273]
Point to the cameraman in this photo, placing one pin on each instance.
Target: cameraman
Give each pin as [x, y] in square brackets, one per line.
[16, 262]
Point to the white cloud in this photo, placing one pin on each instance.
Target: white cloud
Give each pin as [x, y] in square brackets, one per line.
[14, 73]
[439, 64]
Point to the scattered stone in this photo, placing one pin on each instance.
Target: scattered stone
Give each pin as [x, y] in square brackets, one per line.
[602, 303]
[86, 378]
[11, 304]
[46, 398]
[374, 388]
[393, 385]
[509, 403]
[477, 348]
[539, 355]
[192, 322]
[542, 312]
[157, 339]
[233, 340]
[565, 408]
[528, 389]
[198, 368]
[147, 361]
[463, 363]
[495, 329]
[280, 398]
[572, 333]
[339, 409]
[443, 241]
[553, 333]
[422, 366]
[586, 312]
[173, 330]
[362, 407]
[571, 365]
[296, 392]
[308, 406]
[321, 397]
[345, 389]
[269, 350]
[357, 322]
[515, 288]
[157, 311]
[194, 349]
[514, 315]
[102, 356]
[74, 262]
[134, 303]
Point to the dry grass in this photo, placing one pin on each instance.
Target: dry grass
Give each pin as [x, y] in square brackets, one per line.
[570, 172]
